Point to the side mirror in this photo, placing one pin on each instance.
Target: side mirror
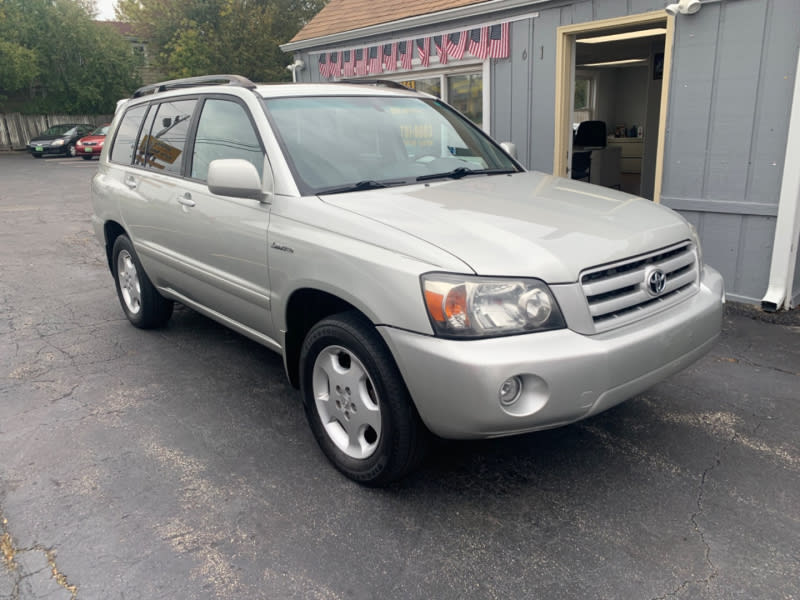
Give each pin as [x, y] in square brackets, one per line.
[235, 177]
[511, 149]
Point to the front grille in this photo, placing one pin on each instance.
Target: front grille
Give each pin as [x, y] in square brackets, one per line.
[618, 293]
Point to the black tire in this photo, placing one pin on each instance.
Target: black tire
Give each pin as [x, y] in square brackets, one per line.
[141, 302]
[37, 155]
[402, 441]
[84, 157]
[70, 152]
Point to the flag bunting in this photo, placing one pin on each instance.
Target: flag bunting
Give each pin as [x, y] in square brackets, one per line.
[490, 41]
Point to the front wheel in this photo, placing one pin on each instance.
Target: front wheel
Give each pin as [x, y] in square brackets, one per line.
[85, 157]
[71, 152]
[143, 305]
[356, 402]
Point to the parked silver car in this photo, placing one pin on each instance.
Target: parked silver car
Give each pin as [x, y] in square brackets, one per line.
[414, 277]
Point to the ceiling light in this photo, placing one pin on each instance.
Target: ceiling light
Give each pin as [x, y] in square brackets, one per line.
[628, 35]
[615, 63]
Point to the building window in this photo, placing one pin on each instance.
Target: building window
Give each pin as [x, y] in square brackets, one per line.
[463, 90]
[583, 102]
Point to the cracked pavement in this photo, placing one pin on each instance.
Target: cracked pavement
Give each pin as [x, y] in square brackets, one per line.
[177, 464]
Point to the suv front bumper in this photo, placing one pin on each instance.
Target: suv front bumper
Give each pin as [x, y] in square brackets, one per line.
[566, 376]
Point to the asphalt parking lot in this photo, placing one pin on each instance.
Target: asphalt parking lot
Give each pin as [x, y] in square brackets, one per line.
[177, 464]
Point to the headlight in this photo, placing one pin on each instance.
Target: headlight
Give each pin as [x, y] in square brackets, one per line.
[57, 143]
[470, 307]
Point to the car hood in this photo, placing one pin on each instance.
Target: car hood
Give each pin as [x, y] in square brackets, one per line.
[92, 138]
[525, 224]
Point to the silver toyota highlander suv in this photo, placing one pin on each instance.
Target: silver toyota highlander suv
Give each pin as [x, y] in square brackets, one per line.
[414, 277]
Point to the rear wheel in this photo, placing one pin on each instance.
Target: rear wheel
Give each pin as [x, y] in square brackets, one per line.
[143, 305]
[356, 402]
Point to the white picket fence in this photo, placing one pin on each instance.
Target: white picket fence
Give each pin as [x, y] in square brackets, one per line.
[16, 129]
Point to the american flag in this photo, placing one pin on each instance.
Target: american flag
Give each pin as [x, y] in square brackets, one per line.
[406, 52]
[361, 62]
[374, 64]
[348, 63]
[323, 66]
[390, 56]
[424, 51]
[334, 66]
[479, 43]
[498, 41]
[441, 48]
[456, 43]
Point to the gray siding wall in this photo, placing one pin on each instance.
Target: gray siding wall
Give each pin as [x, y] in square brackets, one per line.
[730, 98]
[728, 112]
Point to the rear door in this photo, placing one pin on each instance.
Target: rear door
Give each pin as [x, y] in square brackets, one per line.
[153, 216]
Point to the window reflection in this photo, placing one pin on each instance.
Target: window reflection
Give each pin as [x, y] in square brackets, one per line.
[224, 131]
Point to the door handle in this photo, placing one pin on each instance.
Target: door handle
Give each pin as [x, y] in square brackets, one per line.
[130, 181]
[186, 200]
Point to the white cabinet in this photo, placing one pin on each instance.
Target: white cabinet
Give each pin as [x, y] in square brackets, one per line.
[631, 150]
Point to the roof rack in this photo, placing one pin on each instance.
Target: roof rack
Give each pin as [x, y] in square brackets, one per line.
[377, 82]
[188, 82]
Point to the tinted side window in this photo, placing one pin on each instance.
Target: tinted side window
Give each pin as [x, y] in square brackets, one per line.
[125, 140]
[141, 151]
[224, 131]
[163, 147]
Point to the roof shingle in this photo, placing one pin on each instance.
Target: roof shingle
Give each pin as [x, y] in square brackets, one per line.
[346, 15]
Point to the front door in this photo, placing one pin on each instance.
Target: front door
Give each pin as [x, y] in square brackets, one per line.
[615, 72]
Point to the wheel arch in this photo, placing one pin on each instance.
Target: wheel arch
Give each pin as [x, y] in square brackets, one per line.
[112, 231]
[305, 308]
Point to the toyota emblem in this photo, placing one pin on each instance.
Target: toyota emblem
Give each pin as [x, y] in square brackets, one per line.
[655, 280]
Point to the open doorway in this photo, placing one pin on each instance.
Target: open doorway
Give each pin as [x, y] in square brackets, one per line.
[611, 92]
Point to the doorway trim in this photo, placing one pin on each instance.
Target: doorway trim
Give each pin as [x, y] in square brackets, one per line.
[565, 47]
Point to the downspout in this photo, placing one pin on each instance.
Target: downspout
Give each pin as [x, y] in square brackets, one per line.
[787, 227]
[297, 65]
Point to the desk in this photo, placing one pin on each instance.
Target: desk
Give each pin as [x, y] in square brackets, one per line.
[605, 167]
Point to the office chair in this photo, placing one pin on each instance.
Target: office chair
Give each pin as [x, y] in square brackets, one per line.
[590, 134]
[581, 165]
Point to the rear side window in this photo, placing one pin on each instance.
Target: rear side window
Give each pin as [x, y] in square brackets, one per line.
[128, 130]
[224, 131]
[162, 148]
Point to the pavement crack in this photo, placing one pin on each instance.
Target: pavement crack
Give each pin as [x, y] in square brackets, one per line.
[61, 578]
[757, 365]
[7, 546]
[712, 569]
[13, 561]
[696, 525]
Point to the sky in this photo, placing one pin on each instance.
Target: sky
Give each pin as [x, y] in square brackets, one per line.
[105, 9]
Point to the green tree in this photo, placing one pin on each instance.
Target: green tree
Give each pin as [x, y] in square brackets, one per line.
[198, 37]
[18, 67]
[55, 58]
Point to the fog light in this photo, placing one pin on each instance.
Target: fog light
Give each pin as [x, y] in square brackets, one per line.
[510, 391]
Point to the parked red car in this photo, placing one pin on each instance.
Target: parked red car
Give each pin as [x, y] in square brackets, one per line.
[92, 144]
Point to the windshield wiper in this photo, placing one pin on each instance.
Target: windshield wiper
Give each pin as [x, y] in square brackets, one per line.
[463, 171]
[366, 184]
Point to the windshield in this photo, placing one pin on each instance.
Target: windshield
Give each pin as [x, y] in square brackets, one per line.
[58, 129]
[102, 130]
[343, 143]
